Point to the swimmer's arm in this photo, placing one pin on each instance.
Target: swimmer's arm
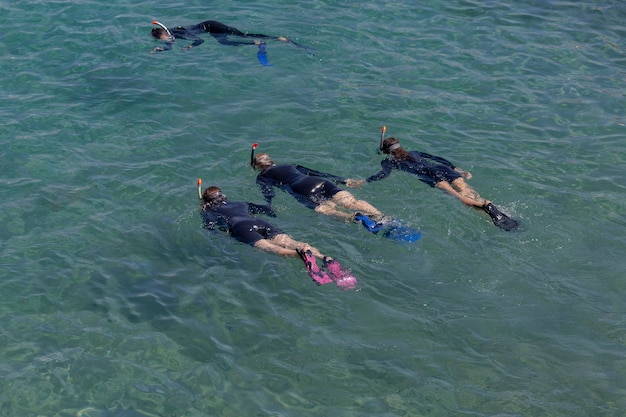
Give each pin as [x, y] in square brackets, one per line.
[437, 159]
[167, 47]
[354, 183]
[213, 220]
[209, 219]
[266, 188]
[334, 178]
[261, 209]
[445, 162]
[197, 41]
[465, 174]
[383, 173]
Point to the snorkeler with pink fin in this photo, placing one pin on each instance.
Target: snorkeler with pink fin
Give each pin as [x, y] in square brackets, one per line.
[333, 273]
[236, 217]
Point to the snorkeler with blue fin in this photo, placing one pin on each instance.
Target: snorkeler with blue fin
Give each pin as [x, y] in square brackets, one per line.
[319, 191]
[221, 33]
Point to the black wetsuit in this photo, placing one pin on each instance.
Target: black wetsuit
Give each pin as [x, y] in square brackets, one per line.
[308, 186]
[217, 30]
[236, 217]
[429, 168]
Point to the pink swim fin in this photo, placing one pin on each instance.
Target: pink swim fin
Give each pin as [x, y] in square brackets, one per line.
[343, 278]
[310, 263]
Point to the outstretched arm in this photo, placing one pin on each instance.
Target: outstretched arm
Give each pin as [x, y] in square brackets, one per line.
[334, 178]
[210, 219]
[167, 47]
[352, 183]
[384, 172]
[196, 40]
[261, 209]
[266, 188]
[447, 163]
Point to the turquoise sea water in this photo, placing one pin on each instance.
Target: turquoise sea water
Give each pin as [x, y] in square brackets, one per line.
[115, 302]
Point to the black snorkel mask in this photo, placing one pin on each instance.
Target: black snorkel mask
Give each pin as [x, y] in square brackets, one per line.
[170, 37]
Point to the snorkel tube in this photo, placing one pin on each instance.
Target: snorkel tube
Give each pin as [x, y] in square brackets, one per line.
[200, 188]
[382, 137]
[170, 37]
[254, 146]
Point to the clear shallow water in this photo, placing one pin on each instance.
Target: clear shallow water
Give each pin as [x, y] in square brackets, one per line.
[115, 302]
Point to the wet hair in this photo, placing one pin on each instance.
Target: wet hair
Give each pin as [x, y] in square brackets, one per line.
[213, 196]
[262, 161]
[392, 146]
[159, 32]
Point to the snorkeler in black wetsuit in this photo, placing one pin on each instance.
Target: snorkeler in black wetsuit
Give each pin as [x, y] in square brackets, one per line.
[217, 30]
[314, 189]
[237, 218]
[437, 172]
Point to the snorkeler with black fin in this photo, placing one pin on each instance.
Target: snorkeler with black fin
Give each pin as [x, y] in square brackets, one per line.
[500, 219]
[437, 172]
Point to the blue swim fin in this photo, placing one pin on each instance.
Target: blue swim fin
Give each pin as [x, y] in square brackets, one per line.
[401, 233]
[262, 55]
[368, 223]
[391, 229]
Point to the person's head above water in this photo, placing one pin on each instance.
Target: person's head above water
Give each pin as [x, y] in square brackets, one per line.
[389, 145]
[262, 161]
[213, 196]
[161, 34]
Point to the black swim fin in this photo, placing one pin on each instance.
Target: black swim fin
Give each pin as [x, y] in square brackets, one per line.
[500, 219]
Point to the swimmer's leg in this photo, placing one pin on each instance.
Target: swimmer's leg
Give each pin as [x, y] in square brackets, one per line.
[468, 192]
[463, 192]
[286, 241]
[470, 197]
[345, 199]
[268, 246]
[328, 208]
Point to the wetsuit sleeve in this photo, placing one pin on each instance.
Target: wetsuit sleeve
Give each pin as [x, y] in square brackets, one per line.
[266, 188]
[437, 159]
[210, 219]
[334, 178]
[384, 172]
[189, 33]
[196, 40]
[261, 209]
[166, 47]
